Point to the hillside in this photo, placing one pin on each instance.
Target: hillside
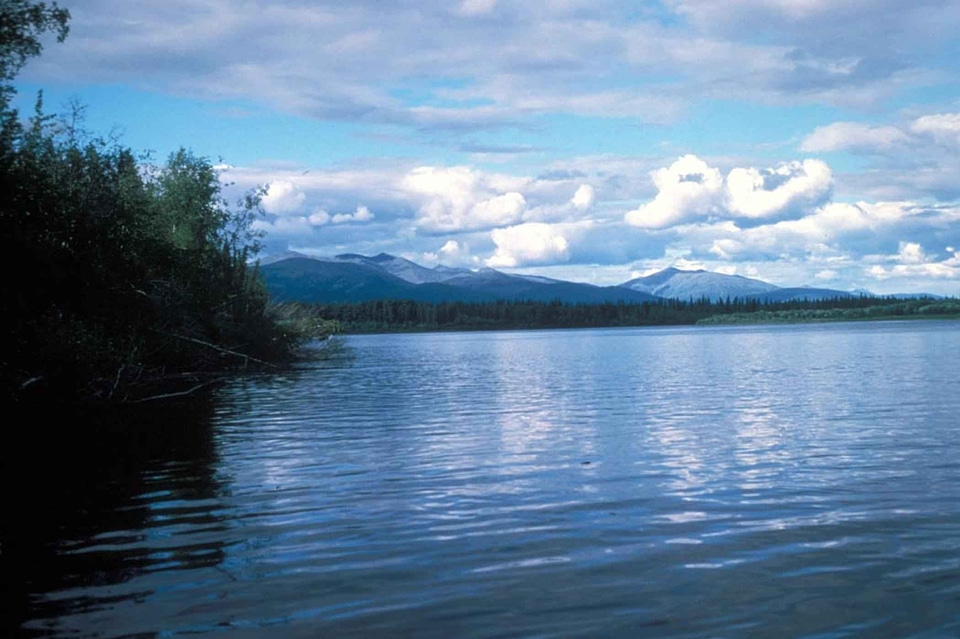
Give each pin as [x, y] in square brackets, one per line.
[356, 278]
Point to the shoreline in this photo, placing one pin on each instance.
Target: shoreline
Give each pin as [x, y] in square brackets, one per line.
[706, 322]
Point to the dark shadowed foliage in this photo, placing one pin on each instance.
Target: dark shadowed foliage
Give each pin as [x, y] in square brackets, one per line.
[119, 274]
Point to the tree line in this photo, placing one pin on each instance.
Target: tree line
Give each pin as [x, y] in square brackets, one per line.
[407, 315]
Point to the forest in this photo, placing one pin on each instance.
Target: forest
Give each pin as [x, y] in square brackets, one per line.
[400, 315]
[122, 276]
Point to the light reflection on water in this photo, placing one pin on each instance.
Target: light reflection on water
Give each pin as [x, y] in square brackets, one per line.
[730, 482]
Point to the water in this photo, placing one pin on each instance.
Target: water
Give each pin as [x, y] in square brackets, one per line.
[798, 481]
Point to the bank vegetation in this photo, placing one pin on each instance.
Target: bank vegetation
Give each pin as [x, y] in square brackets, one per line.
[124, 279]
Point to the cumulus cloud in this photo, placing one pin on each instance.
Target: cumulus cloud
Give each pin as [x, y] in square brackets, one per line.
[459, 199]
[530, 243]
[432, 213]
[545, 203]
[911, 253]
[290, 226]
[583, 198]
[687, 188]
[283, 197]
[319, 217]
[773, 192]
[690, 189]
[912, 262]
[454, 251]
[362, 214]
[842, 238]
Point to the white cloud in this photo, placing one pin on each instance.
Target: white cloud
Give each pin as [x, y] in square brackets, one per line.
[755, 194]
[288, 226]
[827, 275]
[501, 209]
[911, 253]
[687, 188]
[853, 136]
[433, 220]
[583, 198]
[460, 198]
[452, 248]
[726, 248]
[819, 233]
[454, 253]
[362, 214]
[282, 198]
[476, 7]
[912, 262]
[561, 56]
[730, 9]
[530, 243]
[906, 143]
[943, 128]
[319, 217]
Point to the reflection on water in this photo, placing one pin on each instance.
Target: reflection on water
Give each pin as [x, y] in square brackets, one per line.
[748, 482]
[94, 515]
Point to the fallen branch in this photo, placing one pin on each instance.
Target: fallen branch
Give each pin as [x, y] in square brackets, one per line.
[31, 382]
[172, 395]
[226, 351]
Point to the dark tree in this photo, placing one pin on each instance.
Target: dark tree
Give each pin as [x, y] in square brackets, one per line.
[22, 24]
[117, 275]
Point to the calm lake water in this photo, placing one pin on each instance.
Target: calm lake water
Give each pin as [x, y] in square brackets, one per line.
[788, 481]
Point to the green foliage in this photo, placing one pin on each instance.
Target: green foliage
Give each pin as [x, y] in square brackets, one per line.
[879, 309]
[119, 272]
[406, 315]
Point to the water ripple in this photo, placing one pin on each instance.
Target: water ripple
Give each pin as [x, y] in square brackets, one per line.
[747, 482]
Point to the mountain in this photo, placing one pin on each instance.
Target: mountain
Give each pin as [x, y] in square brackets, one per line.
[678, 284]
[358, 278]
[308, 280]
[402, 268]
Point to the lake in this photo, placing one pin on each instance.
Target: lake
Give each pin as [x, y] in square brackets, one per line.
[771, 481]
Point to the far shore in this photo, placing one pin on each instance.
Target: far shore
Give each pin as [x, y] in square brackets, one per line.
[708, 322]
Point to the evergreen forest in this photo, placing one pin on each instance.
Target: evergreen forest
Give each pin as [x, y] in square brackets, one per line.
[406, 315]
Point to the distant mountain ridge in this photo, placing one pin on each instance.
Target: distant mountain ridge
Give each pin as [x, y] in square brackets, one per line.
[358, 278]
[351, 277]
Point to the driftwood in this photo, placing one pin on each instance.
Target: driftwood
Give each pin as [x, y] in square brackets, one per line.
[220, 349]
[172, 395]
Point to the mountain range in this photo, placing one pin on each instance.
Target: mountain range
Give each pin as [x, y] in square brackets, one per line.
[357, 278]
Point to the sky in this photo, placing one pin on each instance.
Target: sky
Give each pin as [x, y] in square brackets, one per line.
[802, 142]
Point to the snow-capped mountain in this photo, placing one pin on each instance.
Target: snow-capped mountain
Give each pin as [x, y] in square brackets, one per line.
[678, 284]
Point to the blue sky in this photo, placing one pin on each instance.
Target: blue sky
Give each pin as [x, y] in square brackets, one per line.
[804, 142]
